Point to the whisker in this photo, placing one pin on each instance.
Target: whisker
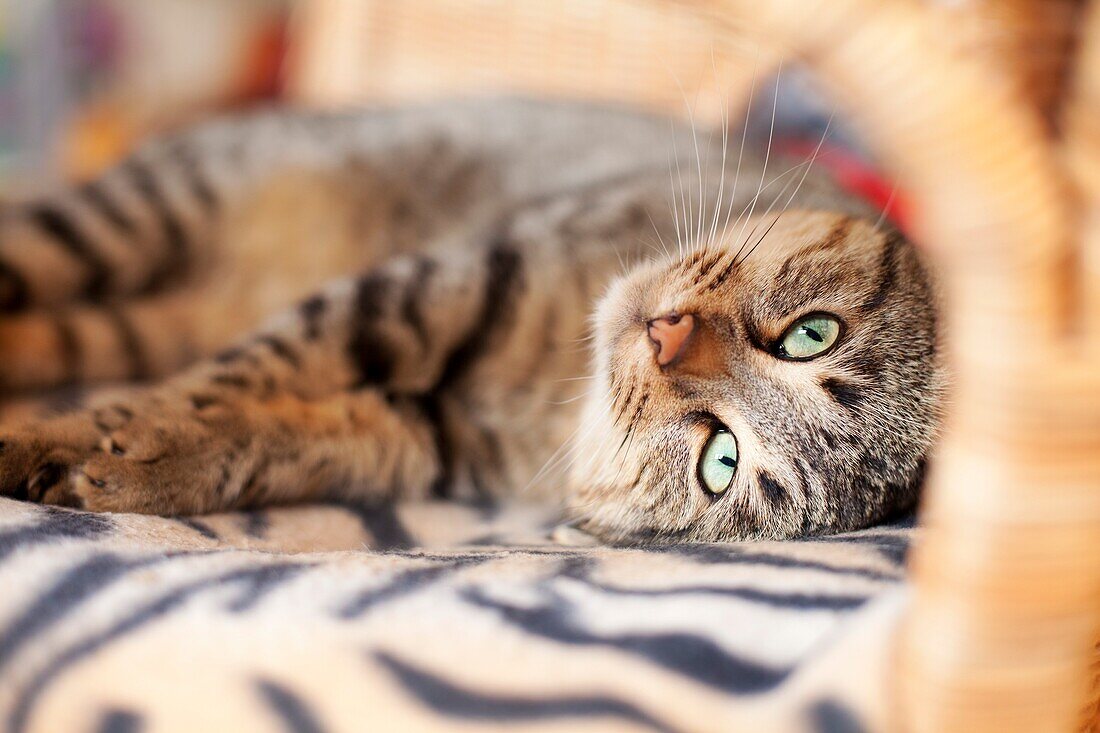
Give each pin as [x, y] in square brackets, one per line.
[656, 231]
[576, 452]
[619, 257]
[672, 190]
[761, 239]
[744, 211]
[679, 176]
[695, 223]
[699, 170]
[577, 348]
[628, 440]
[806, 172]
[570, 444]
[690, 230]
[650, 244]
[752, 232]
[725, 145]
[679, 184]
[570, 400]
[887, 205]
[768, 150]
[744, 137]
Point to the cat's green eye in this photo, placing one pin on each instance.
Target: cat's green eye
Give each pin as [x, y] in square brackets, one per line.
[809, 337]
[718, 463]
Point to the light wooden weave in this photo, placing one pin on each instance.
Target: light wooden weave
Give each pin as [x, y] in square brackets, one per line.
[646, 53]
[964, 101]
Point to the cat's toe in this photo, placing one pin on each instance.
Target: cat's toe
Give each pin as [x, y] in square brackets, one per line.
[100, 486]
[158, 476]
[113, 481]
[140, 443]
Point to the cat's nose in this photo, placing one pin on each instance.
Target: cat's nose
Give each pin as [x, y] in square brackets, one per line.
[670, 334]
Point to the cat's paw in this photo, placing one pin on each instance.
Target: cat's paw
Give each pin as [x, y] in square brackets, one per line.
[39, 460]
[171, 462]
[158, 457]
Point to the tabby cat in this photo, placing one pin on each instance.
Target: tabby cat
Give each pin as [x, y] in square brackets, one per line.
[762, 360]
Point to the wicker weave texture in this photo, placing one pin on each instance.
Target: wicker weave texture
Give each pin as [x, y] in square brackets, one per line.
[652, 54]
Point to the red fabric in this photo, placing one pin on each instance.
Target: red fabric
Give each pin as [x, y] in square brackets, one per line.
[855, 175]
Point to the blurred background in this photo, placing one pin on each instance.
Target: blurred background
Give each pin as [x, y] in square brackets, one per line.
[82, 80]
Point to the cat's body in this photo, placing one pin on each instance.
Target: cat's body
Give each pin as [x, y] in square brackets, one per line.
[437, 271]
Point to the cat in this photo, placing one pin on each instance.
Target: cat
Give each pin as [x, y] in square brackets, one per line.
[466, 299]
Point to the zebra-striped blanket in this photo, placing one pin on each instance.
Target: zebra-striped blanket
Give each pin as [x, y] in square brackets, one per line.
[432, 617]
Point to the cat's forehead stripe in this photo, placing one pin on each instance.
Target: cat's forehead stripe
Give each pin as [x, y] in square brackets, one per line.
[887, 276]
[833, 239]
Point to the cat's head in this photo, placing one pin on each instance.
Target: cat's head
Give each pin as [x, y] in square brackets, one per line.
[793, 390]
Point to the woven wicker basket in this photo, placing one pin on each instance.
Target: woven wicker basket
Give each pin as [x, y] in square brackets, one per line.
[969, 103]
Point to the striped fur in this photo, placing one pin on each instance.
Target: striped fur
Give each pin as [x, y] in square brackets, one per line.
[433, 272]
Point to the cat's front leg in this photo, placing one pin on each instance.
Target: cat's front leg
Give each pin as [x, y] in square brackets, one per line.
[170, 453]
[338, 397]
